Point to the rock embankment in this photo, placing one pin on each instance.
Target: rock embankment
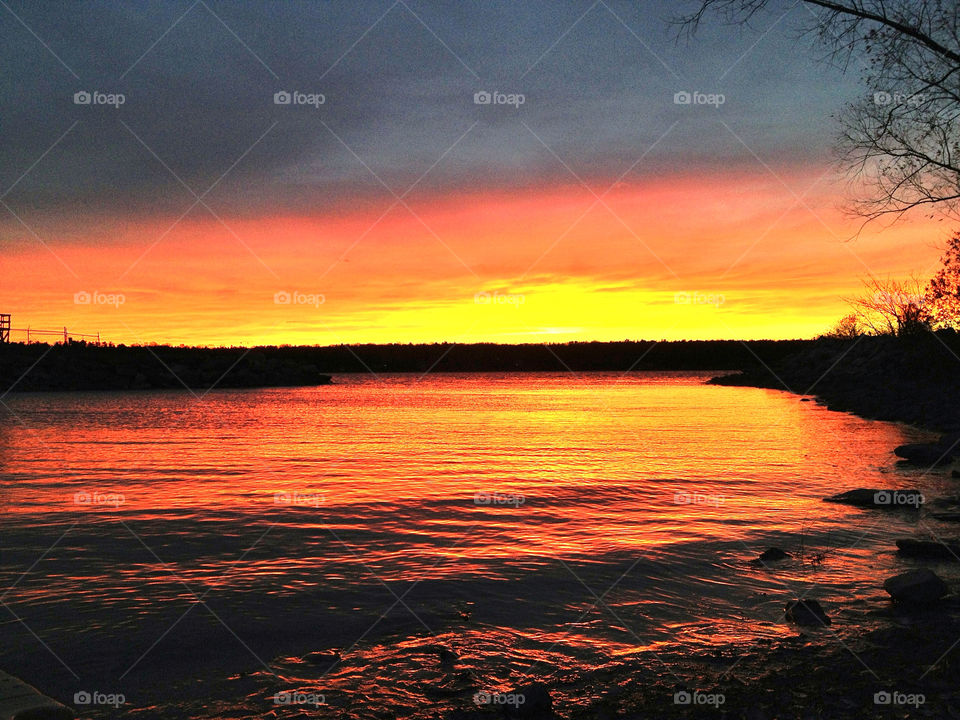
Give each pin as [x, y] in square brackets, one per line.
[911, 380]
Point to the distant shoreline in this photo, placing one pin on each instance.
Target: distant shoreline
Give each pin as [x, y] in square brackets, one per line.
[80, 366]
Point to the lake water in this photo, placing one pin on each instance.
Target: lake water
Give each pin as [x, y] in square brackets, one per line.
[186, 552]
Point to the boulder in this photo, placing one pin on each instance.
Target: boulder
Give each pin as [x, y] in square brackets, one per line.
[925, 453]
[928, 549]
[322, 658]
[806, 612]
[916, 587]
[881, 499]
[773, 554]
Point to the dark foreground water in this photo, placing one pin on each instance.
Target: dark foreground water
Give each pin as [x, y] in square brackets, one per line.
[183, 554]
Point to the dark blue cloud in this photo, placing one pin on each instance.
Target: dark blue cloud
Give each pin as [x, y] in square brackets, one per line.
[399, 80]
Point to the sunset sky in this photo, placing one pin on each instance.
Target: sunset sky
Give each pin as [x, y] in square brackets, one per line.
[201, 211]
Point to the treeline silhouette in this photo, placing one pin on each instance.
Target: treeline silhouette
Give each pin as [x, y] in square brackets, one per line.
[83, 366]
[913, 379]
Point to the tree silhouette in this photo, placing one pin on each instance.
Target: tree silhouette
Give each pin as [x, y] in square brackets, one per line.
[902, 137]
[944, 290]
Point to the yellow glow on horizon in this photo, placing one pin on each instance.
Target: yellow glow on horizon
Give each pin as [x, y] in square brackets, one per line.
[550, 265]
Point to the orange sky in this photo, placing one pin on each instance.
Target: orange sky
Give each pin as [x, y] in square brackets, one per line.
[539, 265]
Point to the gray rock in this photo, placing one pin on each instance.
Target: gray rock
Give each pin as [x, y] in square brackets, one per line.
[925, 453]
[880, 499]
[806, 612]
[916, 587]
[773, 554]
[322, 658]
[927, 549]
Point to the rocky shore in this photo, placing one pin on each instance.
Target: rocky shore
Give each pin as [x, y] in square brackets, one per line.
[912, 380]
[903, 660]
[905, 668]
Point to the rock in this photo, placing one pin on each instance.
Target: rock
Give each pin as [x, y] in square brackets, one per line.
[23, 701]
[806, 612]
[927, 549]
[880, 499]
[447, 656]
[322, 658]
[537, 702]
[925, 453]
[916, 587]
[772, 555]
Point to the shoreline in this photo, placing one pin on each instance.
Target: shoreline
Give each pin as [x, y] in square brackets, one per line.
[40, 367]
[904, 669]
[914, 381]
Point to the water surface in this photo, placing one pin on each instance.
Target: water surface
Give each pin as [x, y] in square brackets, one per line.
[187, 551]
